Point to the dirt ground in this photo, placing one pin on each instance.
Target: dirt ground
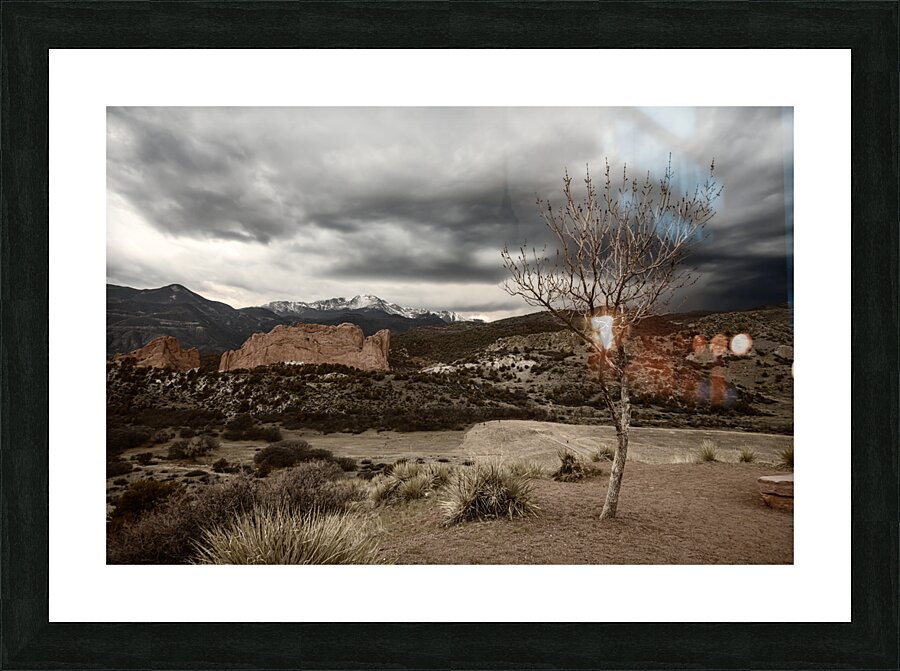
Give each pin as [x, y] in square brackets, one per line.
[668, 514]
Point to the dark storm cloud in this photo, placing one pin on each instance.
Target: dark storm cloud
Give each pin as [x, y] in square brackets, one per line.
[410, 197]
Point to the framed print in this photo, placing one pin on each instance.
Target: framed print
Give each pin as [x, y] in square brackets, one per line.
[390, 154]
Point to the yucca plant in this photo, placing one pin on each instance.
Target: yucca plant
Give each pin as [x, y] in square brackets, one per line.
[527, 468]
[383, 488]
[786, 458]
[440, 474]
[747, 455]
[605, 453]
[415, 487]
[708, 452]
[571, 468]
[270, 535]
[487, 491]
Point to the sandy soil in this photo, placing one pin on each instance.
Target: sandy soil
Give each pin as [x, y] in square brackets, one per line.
[668, 514]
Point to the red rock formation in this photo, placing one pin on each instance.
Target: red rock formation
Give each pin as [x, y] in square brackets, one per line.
[163, 352]
[777, 491]
[313, 344]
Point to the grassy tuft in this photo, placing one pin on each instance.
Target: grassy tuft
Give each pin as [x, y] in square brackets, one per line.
[747, 455]
[276, 535]
[527, 468]
[786, 458]
[708, 453]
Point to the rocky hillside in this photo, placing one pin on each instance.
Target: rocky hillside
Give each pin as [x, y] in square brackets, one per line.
[458, 374]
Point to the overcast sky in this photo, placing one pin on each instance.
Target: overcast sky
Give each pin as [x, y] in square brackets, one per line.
[249, 205]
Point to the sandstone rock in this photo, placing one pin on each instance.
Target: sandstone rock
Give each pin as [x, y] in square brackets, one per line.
[777, 491]
[779, 502]
[780, 485]
[163, 352]
[312, 344]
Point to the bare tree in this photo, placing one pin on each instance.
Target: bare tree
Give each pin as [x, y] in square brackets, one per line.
[618, 259]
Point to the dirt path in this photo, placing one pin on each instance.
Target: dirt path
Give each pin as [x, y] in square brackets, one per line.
[668, 514]
[521, 439]
[541, 441]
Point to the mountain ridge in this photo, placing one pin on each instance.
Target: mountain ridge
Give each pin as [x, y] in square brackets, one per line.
[358, 302]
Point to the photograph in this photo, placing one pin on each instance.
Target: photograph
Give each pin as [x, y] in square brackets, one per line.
[449, 335]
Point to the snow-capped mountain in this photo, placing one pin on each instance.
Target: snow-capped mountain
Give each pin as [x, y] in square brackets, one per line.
[363, 302]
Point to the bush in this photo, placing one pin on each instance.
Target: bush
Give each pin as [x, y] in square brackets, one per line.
[708, 452]
[141, 497]
[195, 447]
[116, 468]
[222, 466]
[571, 468]
[144, 458]
[285, 453]
[168, 534]
[346, 463]
[242, 427]
[747, 455]
[487, 491]
[317, 485]
[277, 536]
[121, 439]
[786, 458]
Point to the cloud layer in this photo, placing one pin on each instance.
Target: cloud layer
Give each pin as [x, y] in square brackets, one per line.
[247, 205]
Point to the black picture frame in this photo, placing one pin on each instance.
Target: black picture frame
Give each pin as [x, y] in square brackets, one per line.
[30, 29]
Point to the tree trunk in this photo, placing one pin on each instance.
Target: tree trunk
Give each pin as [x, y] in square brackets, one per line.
[618, 468]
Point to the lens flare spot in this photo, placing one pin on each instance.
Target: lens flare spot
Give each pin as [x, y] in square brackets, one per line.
[603, 330]
[698, 344]
[719, 344]
[741, 344]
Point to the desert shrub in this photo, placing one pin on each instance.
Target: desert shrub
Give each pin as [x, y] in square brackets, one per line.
[144, 458]
[117, 468]
[786, 457]
[121, 439]
[571, 468]
[747, 455]
[287, 453]
[316, 485]
[526, 468]
[346, 463]
[195, 447]
[120, 481]
[487, 491]
[240, 422]
[242, 427]
[222, 466]
[168, 534]
[187, 432]
[141, 497]
[708, 452]
[196, 473]
[278, 536]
